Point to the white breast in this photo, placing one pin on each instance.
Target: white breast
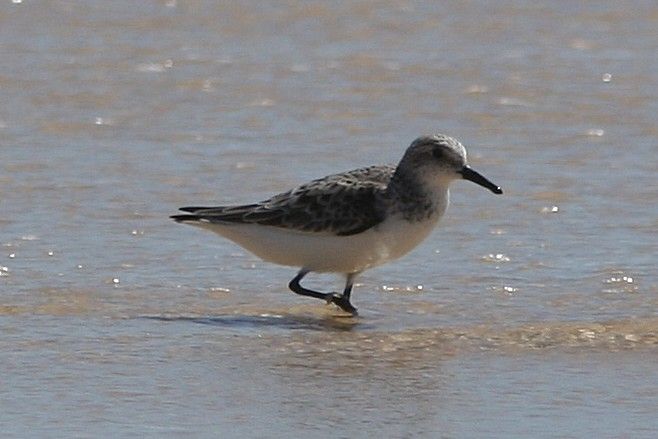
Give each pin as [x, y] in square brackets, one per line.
[389, 240]
[328, 253]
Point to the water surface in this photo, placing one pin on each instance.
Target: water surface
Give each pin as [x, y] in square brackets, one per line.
[527, 314]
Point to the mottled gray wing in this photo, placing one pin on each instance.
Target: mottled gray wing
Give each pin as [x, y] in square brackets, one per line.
[341, 204]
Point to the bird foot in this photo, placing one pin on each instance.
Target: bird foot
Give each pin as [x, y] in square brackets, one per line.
[343, 303]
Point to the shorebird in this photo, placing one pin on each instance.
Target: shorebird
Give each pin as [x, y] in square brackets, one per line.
[347, 222]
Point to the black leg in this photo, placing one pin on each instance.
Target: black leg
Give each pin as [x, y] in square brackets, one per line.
[342, 301]
[297, 288]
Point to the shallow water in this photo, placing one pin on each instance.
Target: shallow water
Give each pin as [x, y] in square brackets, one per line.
[527, 314]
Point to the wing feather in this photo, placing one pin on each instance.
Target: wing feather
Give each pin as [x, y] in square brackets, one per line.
[340, 204]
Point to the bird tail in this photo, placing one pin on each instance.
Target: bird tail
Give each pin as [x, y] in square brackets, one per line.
[185, 218]
[191, 217]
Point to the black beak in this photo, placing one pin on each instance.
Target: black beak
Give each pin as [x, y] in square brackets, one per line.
[477, 178]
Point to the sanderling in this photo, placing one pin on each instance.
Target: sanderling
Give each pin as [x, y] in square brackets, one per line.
[347, 222]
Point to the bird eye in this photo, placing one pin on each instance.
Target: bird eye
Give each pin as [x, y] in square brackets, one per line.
[437, 153]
